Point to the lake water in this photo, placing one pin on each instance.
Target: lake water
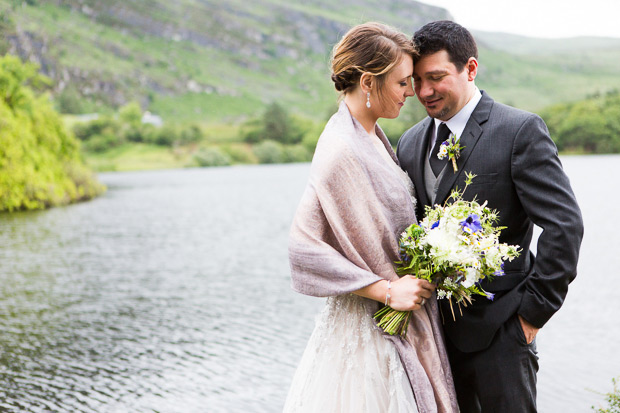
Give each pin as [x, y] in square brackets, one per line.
[170, 293]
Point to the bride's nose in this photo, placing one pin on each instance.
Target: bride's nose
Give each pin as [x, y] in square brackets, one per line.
[409, 91]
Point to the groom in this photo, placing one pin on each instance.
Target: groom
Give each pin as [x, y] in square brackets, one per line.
[492, 346]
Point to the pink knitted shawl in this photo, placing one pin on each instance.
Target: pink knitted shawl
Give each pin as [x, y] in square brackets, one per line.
[345, 237]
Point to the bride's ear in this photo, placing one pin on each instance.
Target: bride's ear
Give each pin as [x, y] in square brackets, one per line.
[367, 82]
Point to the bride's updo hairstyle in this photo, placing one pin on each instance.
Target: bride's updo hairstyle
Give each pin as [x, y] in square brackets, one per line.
[372, 48]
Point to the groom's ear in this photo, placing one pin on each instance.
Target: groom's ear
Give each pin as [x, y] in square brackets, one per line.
[472, 69]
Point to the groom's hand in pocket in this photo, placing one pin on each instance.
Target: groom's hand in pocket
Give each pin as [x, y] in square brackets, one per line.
[528, 330]
[408, 293]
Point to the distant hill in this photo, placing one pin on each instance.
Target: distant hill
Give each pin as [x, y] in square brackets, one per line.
[225, 60]
[574, 46]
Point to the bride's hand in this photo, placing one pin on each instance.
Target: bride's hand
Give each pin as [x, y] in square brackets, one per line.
[408, 293]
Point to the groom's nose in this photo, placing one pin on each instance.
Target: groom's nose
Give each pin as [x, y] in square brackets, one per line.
[424, 89]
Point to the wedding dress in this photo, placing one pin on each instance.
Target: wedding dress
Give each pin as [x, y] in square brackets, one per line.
[349, 365]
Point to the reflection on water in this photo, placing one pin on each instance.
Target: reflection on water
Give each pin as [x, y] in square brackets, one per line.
[171, 293]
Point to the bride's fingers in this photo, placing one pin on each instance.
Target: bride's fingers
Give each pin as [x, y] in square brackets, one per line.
[427, 286]
[423, 283]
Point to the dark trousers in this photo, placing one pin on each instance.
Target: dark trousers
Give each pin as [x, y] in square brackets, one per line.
[500, 378]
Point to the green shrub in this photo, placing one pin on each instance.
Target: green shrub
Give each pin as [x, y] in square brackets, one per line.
[276, 125]
[102, 143]
[613, 400]
[311, 137]
[136, 134]
[131, 114]
[165, 136]
[269, 152]
[211, 156]
[297, 153]
[40, 162]
[84, 131]
[240, 153]
[69, 100]
[589, 126]
[190, 134]
[252, 131]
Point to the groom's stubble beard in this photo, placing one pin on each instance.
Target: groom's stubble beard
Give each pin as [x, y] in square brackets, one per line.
[437, 114]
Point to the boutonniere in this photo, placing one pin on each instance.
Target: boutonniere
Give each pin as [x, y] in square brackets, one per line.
[450, 148]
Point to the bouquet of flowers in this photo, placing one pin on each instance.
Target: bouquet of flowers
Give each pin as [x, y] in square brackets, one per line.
[455, 247]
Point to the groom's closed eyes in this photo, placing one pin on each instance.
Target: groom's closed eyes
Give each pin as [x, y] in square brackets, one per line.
[435, 75]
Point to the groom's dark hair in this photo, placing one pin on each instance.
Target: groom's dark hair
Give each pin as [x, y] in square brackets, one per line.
[449, 36]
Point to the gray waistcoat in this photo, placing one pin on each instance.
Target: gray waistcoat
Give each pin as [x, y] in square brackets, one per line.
[431, 183]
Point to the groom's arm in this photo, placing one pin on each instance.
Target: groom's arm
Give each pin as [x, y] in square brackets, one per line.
[546, 196]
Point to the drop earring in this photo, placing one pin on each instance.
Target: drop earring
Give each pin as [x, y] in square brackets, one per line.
[368, 100]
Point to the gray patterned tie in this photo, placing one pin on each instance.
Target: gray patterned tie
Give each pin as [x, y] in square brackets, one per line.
[438, 164]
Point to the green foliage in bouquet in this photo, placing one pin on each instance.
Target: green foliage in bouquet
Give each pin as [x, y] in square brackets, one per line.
[455, 247]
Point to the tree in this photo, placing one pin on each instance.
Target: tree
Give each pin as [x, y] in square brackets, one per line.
[131, 114]
[277, 124]
[40, 161]
[591, 125]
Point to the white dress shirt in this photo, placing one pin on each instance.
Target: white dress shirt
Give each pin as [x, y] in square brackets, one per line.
[457, 122]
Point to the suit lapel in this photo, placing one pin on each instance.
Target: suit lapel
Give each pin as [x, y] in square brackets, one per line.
[469, 138]
[418, 165]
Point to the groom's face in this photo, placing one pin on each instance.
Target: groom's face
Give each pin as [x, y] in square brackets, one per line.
[440, 87]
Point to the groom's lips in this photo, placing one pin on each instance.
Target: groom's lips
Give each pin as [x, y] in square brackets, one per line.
[431, 102]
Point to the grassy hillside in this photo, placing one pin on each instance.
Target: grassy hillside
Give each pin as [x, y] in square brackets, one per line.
[217, 61]
[189, 60]
[534, 73]
[523, 45]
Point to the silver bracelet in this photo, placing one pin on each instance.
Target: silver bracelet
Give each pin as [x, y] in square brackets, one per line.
[387, 294]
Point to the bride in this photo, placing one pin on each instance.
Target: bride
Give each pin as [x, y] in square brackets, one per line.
[344, 240]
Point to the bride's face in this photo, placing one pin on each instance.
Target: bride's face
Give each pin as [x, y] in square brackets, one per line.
[396, 89]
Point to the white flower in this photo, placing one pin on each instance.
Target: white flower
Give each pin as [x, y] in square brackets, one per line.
[472, 276]
[486, 243]
[443, 152]
[493, 257]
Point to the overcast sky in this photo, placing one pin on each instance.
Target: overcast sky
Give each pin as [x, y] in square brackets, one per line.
[537, 18]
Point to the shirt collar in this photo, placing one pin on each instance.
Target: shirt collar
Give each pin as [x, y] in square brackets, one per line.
[458, 122]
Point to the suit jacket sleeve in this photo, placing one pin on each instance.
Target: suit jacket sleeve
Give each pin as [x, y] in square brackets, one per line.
[547, 198]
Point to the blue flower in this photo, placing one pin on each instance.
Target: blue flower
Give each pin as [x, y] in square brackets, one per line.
[471, 224]
[501, 272]
[404, 257]
[435, 225]
[490, 296]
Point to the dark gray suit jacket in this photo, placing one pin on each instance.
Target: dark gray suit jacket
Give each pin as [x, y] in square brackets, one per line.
[520, 175]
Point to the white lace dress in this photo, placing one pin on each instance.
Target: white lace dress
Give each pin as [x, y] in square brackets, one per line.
[348, 366]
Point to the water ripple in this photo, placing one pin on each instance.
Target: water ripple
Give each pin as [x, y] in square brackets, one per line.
[171, 293]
